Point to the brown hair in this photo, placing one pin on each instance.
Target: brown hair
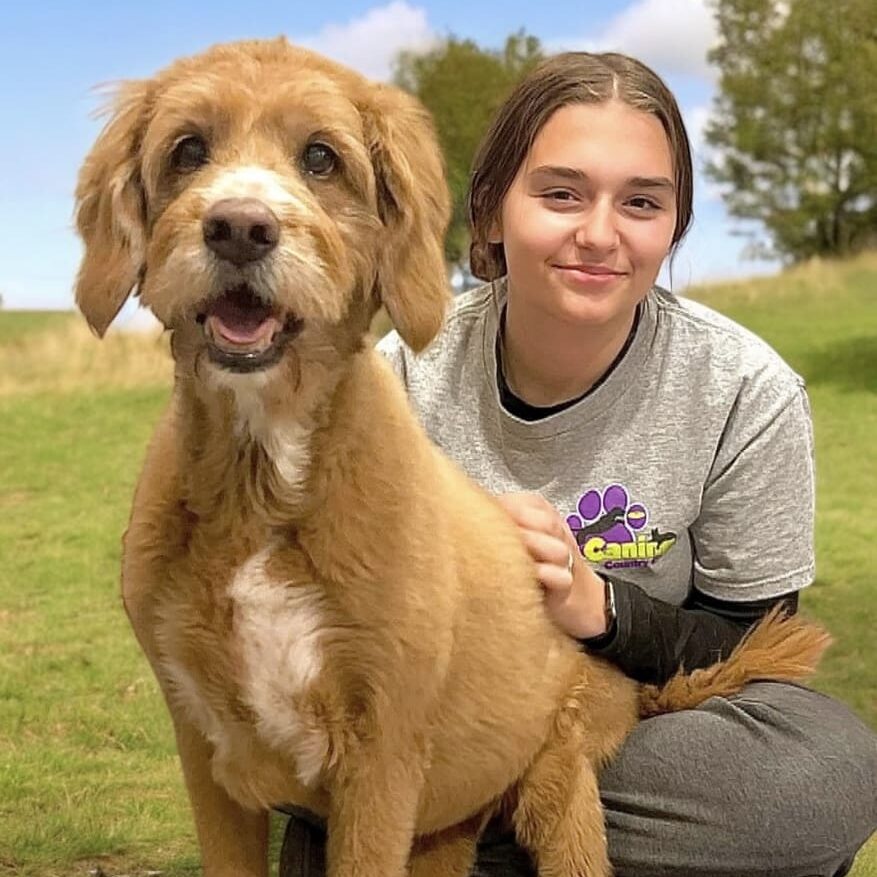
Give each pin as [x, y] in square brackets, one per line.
[567, 78]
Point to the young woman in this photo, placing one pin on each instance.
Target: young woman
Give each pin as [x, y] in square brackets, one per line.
[658, 460]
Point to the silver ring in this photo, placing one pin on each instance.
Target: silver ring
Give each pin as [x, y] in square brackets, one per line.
[570, 562]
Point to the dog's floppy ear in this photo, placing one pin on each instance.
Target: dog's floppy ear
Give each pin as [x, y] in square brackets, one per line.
[110, 207]
[414, 205]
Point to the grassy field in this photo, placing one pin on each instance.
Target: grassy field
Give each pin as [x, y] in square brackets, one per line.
[88, 776]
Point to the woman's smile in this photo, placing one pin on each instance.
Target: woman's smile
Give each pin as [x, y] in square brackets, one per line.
[590, 276]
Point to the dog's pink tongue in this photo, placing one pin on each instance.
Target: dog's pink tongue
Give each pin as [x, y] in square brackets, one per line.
[241, 324]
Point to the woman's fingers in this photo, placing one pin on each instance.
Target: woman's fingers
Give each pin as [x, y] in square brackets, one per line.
[574, 594]
[530, 511]
[546, 548]
[545, 536]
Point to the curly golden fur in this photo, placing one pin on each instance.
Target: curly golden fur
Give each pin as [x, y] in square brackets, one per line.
[337, 617]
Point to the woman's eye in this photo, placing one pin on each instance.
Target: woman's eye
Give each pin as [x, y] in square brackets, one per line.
[319, 160]
[640, 202]
[559, 195]
[190, 153]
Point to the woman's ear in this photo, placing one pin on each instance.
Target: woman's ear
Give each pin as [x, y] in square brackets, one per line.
[414, 206]
[110, 211]
[494, 235]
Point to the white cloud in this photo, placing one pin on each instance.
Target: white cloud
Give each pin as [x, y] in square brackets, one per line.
[696, 119]
[672, 36]
[135, 318]
[695, 123]
[371, 43]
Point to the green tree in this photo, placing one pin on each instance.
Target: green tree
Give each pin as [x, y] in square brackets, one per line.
[795, 123]
[462, 85]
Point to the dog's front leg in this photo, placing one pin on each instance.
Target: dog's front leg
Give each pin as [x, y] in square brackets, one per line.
[233, 839]
[373, 811]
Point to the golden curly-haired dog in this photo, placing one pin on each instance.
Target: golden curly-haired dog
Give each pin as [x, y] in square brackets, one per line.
[337, 617]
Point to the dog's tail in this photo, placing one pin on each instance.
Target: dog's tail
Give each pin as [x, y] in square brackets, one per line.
[781, 648]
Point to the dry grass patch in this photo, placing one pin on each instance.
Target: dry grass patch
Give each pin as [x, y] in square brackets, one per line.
[68, 358]
[55, 352]
[815, 277]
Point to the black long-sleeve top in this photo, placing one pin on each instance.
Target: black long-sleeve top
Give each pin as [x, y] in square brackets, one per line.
[651, 640]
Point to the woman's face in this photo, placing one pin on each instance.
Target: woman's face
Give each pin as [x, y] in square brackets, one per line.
[590, 214]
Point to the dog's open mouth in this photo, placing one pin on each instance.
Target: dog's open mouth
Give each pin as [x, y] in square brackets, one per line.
[245, 333]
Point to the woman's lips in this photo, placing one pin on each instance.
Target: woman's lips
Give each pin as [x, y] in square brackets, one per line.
[591, 274]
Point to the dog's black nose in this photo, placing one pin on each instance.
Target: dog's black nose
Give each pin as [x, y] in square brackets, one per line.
[241, 230]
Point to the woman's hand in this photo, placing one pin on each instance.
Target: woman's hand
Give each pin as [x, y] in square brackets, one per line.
[575, 596]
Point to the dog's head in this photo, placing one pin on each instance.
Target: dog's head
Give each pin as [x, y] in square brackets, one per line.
[257, 193]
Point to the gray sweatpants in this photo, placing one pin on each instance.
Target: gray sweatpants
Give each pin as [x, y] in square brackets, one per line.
[778, 780]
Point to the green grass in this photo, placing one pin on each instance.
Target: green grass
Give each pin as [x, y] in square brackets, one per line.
[88, 774]
[16, 326]
[86, 753]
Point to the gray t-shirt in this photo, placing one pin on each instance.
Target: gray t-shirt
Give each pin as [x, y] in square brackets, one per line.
[691, 464]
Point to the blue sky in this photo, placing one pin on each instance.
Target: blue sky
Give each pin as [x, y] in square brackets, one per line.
[53, 54]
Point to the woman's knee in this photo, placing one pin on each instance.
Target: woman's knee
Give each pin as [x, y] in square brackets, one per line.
[779, 778]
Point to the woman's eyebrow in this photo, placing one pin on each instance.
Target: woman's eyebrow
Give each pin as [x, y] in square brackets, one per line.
[652, 183]
[551, 170]
[575, 175]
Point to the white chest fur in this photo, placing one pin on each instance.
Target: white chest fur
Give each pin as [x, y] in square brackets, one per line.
[285, 440]
[278, 632]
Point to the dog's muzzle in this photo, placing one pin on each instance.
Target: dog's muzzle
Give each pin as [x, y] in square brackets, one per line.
[244, 333]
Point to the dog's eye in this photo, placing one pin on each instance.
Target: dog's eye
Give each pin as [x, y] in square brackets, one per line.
[189, 153]
[319, 160]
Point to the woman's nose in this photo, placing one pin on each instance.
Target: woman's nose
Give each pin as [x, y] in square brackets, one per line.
[598, 229]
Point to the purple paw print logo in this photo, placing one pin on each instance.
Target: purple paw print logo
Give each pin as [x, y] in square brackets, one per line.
[609, 514]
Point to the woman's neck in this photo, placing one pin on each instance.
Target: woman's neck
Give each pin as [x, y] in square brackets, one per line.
[546, 361]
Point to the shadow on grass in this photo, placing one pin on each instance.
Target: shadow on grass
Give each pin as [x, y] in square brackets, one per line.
[849, 364]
